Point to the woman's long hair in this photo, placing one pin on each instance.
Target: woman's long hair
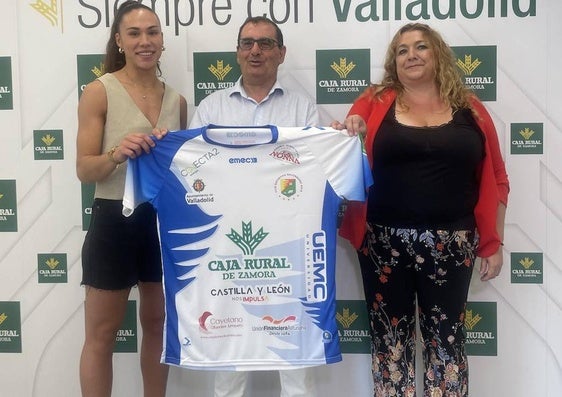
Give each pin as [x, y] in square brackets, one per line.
[447, 77]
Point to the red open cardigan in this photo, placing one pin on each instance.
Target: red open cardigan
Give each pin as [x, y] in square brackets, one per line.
[494, 184]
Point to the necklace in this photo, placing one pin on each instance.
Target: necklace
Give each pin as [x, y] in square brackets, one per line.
[141, 87]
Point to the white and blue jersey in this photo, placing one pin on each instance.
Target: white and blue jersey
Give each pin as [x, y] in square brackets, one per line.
[247, 221]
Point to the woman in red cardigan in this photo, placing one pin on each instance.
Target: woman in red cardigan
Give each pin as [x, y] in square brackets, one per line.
[438, 200]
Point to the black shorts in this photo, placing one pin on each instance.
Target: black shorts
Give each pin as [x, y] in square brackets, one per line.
[120, 251]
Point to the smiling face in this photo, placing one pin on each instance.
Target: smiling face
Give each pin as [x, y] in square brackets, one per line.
[415, 59]
[259, 66]
[140, 37]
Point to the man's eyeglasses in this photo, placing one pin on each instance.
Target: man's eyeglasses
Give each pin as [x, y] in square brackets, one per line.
[264, 44]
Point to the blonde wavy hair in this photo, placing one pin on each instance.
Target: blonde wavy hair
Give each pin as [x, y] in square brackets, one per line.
[447, 77]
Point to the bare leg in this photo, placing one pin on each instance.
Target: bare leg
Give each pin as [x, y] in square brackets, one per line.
[154, 374]
[104, 312]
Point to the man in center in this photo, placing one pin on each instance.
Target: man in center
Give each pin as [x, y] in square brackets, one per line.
[257, 98]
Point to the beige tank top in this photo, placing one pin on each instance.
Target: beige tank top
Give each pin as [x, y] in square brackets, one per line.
[123, 117]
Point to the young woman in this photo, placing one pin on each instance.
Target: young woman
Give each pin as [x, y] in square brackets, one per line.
[117, 114]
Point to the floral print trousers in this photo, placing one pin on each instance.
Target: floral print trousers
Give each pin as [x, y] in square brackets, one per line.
[435, 267]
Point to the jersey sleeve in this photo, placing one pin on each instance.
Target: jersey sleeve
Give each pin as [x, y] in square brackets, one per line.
[145, 174]
[345, 164]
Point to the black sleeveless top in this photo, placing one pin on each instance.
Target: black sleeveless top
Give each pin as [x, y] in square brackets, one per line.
[426, 177]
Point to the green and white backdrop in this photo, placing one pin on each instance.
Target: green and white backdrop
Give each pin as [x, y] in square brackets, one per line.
[508, 51]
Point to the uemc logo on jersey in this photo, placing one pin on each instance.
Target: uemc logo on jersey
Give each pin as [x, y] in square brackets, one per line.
[288, 187]
[316, 272]
[286, 153]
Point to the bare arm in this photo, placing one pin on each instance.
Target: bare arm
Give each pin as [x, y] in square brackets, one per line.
[91, 164]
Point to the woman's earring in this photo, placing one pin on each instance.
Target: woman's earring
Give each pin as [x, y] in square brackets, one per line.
[163, 48]
[121, 50]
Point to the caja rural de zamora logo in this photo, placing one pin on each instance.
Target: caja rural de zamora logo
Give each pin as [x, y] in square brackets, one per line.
[98, 70]
[89, 67]
[213, 71]
[477, 65]
[250, 266]
[341, 75]
[480, 321]
[353, 326]
[52, 268]
[468, 65]
[527, 267]
[342, 68]
[247, 241]
[48, 144]
[6, 335]
[10, 327]
[50, 10]
[268, 267]
[6, 94]
[126, 339]
[345, 318]
[527, 138]
[8, 206]
[220, 70]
